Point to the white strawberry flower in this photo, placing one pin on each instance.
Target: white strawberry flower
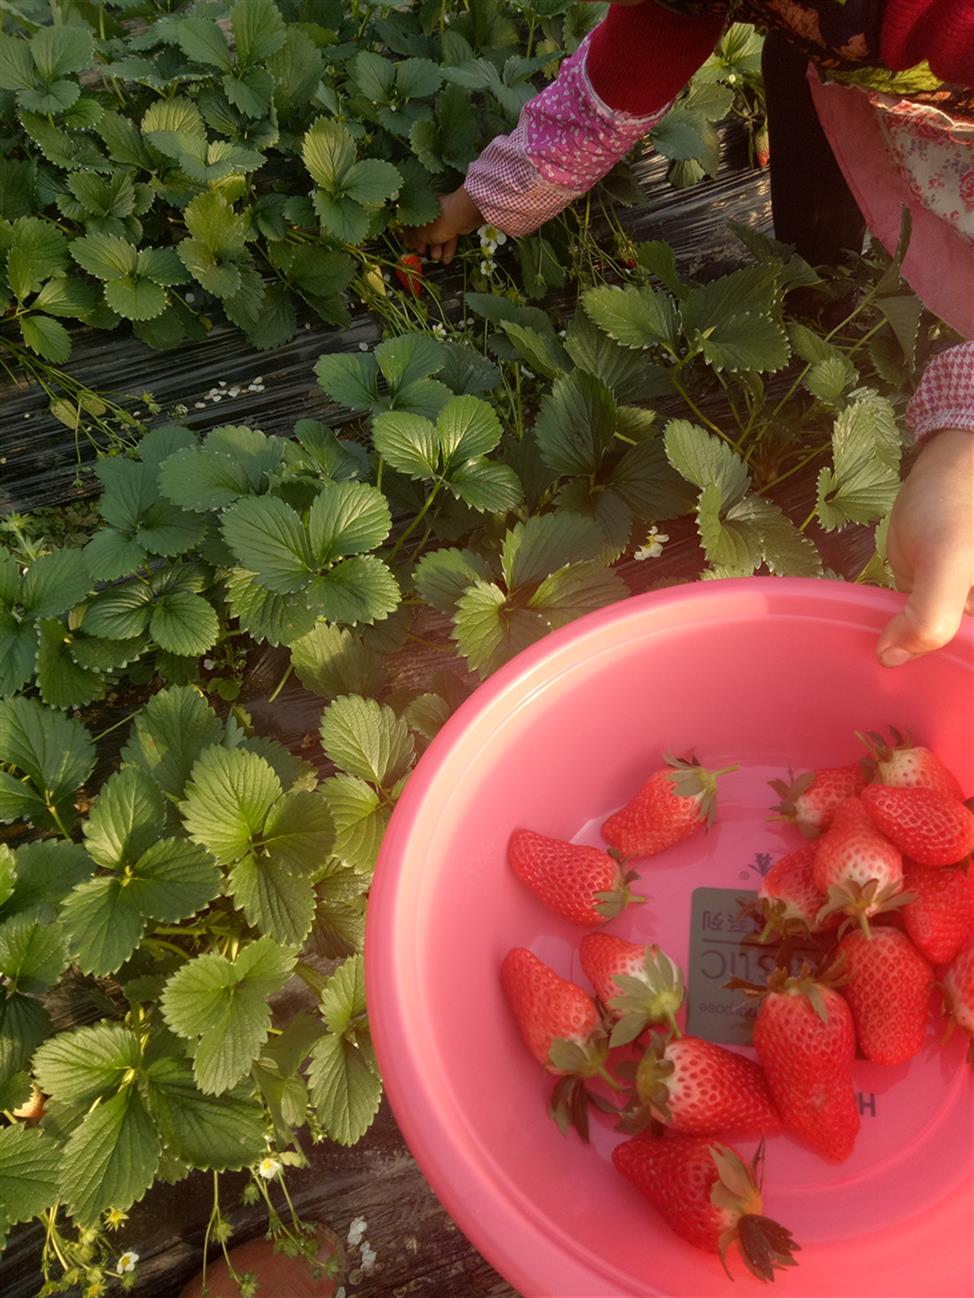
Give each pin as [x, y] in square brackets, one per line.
[268, 1168]
[127, 1262]
[652, 547]
[488, 266]
[439, 329]
[489, 234]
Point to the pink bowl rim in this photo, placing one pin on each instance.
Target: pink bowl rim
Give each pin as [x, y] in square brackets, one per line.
[514, 1242]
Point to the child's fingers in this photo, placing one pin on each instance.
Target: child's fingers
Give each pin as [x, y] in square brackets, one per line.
[939, 594]
[449, 251]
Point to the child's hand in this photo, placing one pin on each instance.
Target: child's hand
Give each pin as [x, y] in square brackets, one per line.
[931, 548]
[458, 215]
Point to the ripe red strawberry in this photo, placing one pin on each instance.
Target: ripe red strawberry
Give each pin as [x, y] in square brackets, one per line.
[789, 901]
[582, 884]
[811, 799]
[858, 870]
[669, 808]
[959, 992]
[930, 827]
[409, 273]
[905, 765]
[710, 1196]
[639, 985]
[942, 914]
[561, 1026]
[888, 991]
[806, 1045]
[700, 1089]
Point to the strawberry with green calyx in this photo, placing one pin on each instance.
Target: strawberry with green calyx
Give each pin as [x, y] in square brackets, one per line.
[888, 992]
[789, 902]
[561, 1026]
[698, 1088]
[857, 868]
[958, 992]
[810, 800]
[669, 808]
[941, 915]
[806, 1044]
[930, 827]
[582, 884]
[710, 1196]
[639, 985]
[905, 765]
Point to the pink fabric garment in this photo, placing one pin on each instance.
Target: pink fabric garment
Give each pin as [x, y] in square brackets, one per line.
[565, 141]
[939, 265]
[945, 395]
[893, 156]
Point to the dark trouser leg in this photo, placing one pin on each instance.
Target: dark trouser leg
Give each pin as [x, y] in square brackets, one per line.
[813, 208]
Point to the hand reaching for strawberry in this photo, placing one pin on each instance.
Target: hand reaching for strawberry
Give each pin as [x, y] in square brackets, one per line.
[438, 240]
[931, 549]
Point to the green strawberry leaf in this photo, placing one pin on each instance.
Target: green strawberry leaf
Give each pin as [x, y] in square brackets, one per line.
[169, 734]
[633, 317]
[331, 660]
[128, 815]
[54, 583]
[367, 739]
[32, 954]
[45, 872]
[442, 576]
[61, 681]
[227, 800]
[488, 632]
[102, 923]
[55, 755]
[29, 1167]
[343, 1076]
[110, 1160]
[360, 820]
[87, 1063]
[576, 424]
[224, 1133]
[361, 589]
[223, 1006]
[275, 901]
[266, 537]
[347, 518]
[703, 459]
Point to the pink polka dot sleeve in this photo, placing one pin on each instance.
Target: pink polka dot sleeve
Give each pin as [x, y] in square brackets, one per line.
[566, 140]
[945, 396]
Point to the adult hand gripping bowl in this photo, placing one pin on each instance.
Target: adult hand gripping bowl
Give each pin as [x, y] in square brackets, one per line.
[766, 672]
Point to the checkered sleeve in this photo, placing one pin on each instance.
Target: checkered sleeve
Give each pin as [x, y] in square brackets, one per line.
[945, 396]
[566, 140]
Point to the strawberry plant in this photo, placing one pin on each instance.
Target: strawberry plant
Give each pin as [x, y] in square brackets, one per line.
[187, 894]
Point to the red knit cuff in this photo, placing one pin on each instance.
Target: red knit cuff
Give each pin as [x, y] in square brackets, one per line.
[940, 31]
[641, 57]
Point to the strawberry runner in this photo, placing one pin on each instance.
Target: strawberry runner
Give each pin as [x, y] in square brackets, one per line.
[897, 150]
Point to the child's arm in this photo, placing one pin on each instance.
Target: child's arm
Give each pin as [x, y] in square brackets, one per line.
[606, 98]
[931, 534]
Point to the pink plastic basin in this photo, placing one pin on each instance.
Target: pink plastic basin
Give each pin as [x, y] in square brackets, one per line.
[767, 672]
